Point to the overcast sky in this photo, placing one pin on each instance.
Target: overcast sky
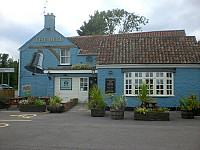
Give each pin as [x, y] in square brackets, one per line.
[22, 19]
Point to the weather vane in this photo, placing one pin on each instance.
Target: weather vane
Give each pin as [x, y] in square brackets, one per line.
[45, 3]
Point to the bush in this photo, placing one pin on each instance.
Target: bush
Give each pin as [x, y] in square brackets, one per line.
[4, 99]
[97, 99]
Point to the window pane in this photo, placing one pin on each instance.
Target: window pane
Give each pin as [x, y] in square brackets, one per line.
[127, 75]
[62, 52]
[130, 75]
[63, 61]
[140, 81]
[136, 74]
[136, 81]
[126, 81]
[151, 74]
[157, 74]
[140, 74]
[130, 81]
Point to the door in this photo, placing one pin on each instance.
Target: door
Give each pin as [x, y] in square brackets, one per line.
[83, 89]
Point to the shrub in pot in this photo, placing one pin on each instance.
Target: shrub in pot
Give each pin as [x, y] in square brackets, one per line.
[188, 106]
[97, 103]
[117, 107]
[55, 105]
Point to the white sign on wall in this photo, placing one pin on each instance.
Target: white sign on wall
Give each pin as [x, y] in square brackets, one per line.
[7, 70]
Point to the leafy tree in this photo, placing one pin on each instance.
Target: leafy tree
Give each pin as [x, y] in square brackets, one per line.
[6, 62]
[112, 21]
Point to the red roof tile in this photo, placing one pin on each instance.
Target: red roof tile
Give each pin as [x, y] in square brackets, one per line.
[139, 48]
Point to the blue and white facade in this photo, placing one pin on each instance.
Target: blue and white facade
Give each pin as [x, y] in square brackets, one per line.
[46, 62]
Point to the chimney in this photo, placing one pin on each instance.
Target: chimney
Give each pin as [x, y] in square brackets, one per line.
[49, 22]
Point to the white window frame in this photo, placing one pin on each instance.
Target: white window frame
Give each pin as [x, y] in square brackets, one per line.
[167, 83]
[66, 56]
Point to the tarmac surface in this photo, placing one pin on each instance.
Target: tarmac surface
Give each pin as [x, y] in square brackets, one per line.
[77, 130]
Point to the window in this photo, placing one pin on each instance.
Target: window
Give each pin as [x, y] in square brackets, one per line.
[83, 84]
[160, 83]
[65, 56]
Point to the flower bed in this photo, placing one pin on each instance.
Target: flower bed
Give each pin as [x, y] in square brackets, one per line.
[152, 114]
[32, 104]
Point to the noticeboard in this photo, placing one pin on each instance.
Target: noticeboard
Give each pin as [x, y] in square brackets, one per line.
[66, 84]
[110, 85]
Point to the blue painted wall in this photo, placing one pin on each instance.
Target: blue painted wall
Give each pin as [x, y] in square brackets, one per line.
[186, 82]
[40, 83]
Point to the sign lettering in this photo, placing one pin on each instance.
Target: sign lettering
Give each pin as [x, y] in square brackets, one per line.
[50, 39]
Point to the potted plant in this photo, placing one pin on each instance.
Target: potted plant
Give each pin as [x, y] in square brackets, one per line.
[117, 107]
[145, 112]
[188, 106]
[32, 104]
[97, 103]
[55, 105]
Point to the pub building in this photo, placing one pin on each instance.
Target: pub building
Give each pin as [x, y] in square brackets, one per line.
[52, 64]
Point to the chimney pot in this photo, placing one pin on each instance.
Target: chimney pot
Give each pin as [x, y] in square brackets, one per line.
[49, 21]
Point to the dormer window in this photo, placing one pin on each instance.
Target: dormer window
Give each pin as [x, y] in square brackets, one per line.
[65, 57]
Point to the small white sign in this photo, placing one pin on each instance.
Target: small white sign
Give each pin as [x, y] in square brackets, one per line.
[8, 70]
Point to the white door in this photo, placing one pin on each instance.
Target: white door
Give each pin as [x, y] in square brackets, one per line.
[72, 87]
[84, 89]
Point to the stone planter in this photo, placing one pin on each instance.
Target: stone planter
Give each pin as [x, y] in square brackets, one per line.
[152, 116]
[97, 112]
[56, 109]
[117, 114]
[32, 108]
[187, 114]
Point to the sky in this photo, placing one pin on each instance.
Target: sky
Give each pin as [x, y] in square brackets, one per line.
[20, 20]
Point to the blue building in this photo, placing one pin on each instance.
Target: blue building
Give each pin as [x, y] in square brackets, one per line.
[53, 64]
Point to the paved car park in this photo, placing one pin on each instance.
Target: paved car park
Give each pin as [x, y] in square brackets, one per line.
[77, 130]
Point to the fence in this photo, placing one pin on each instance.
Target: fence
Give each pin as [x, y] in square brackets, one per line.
[9, 92]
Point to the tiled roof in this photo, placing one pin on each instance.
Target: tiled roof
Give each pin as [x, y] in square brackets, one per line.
[162, 47]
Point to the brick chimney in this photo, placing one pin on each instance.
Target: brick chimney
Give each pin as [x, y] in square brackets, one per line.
[49, 22]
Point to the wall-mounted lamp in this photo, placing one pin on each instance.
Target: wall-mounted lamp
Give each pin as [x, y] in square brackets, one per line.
[110, 72]
[49, 76]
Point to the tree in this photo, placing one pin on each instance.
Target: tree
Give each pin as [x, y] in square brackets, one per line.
[6, 62]
[112, 21]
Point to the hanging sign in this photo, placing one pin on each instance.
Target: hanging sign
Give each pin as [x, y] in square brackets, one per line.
[26, 88]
